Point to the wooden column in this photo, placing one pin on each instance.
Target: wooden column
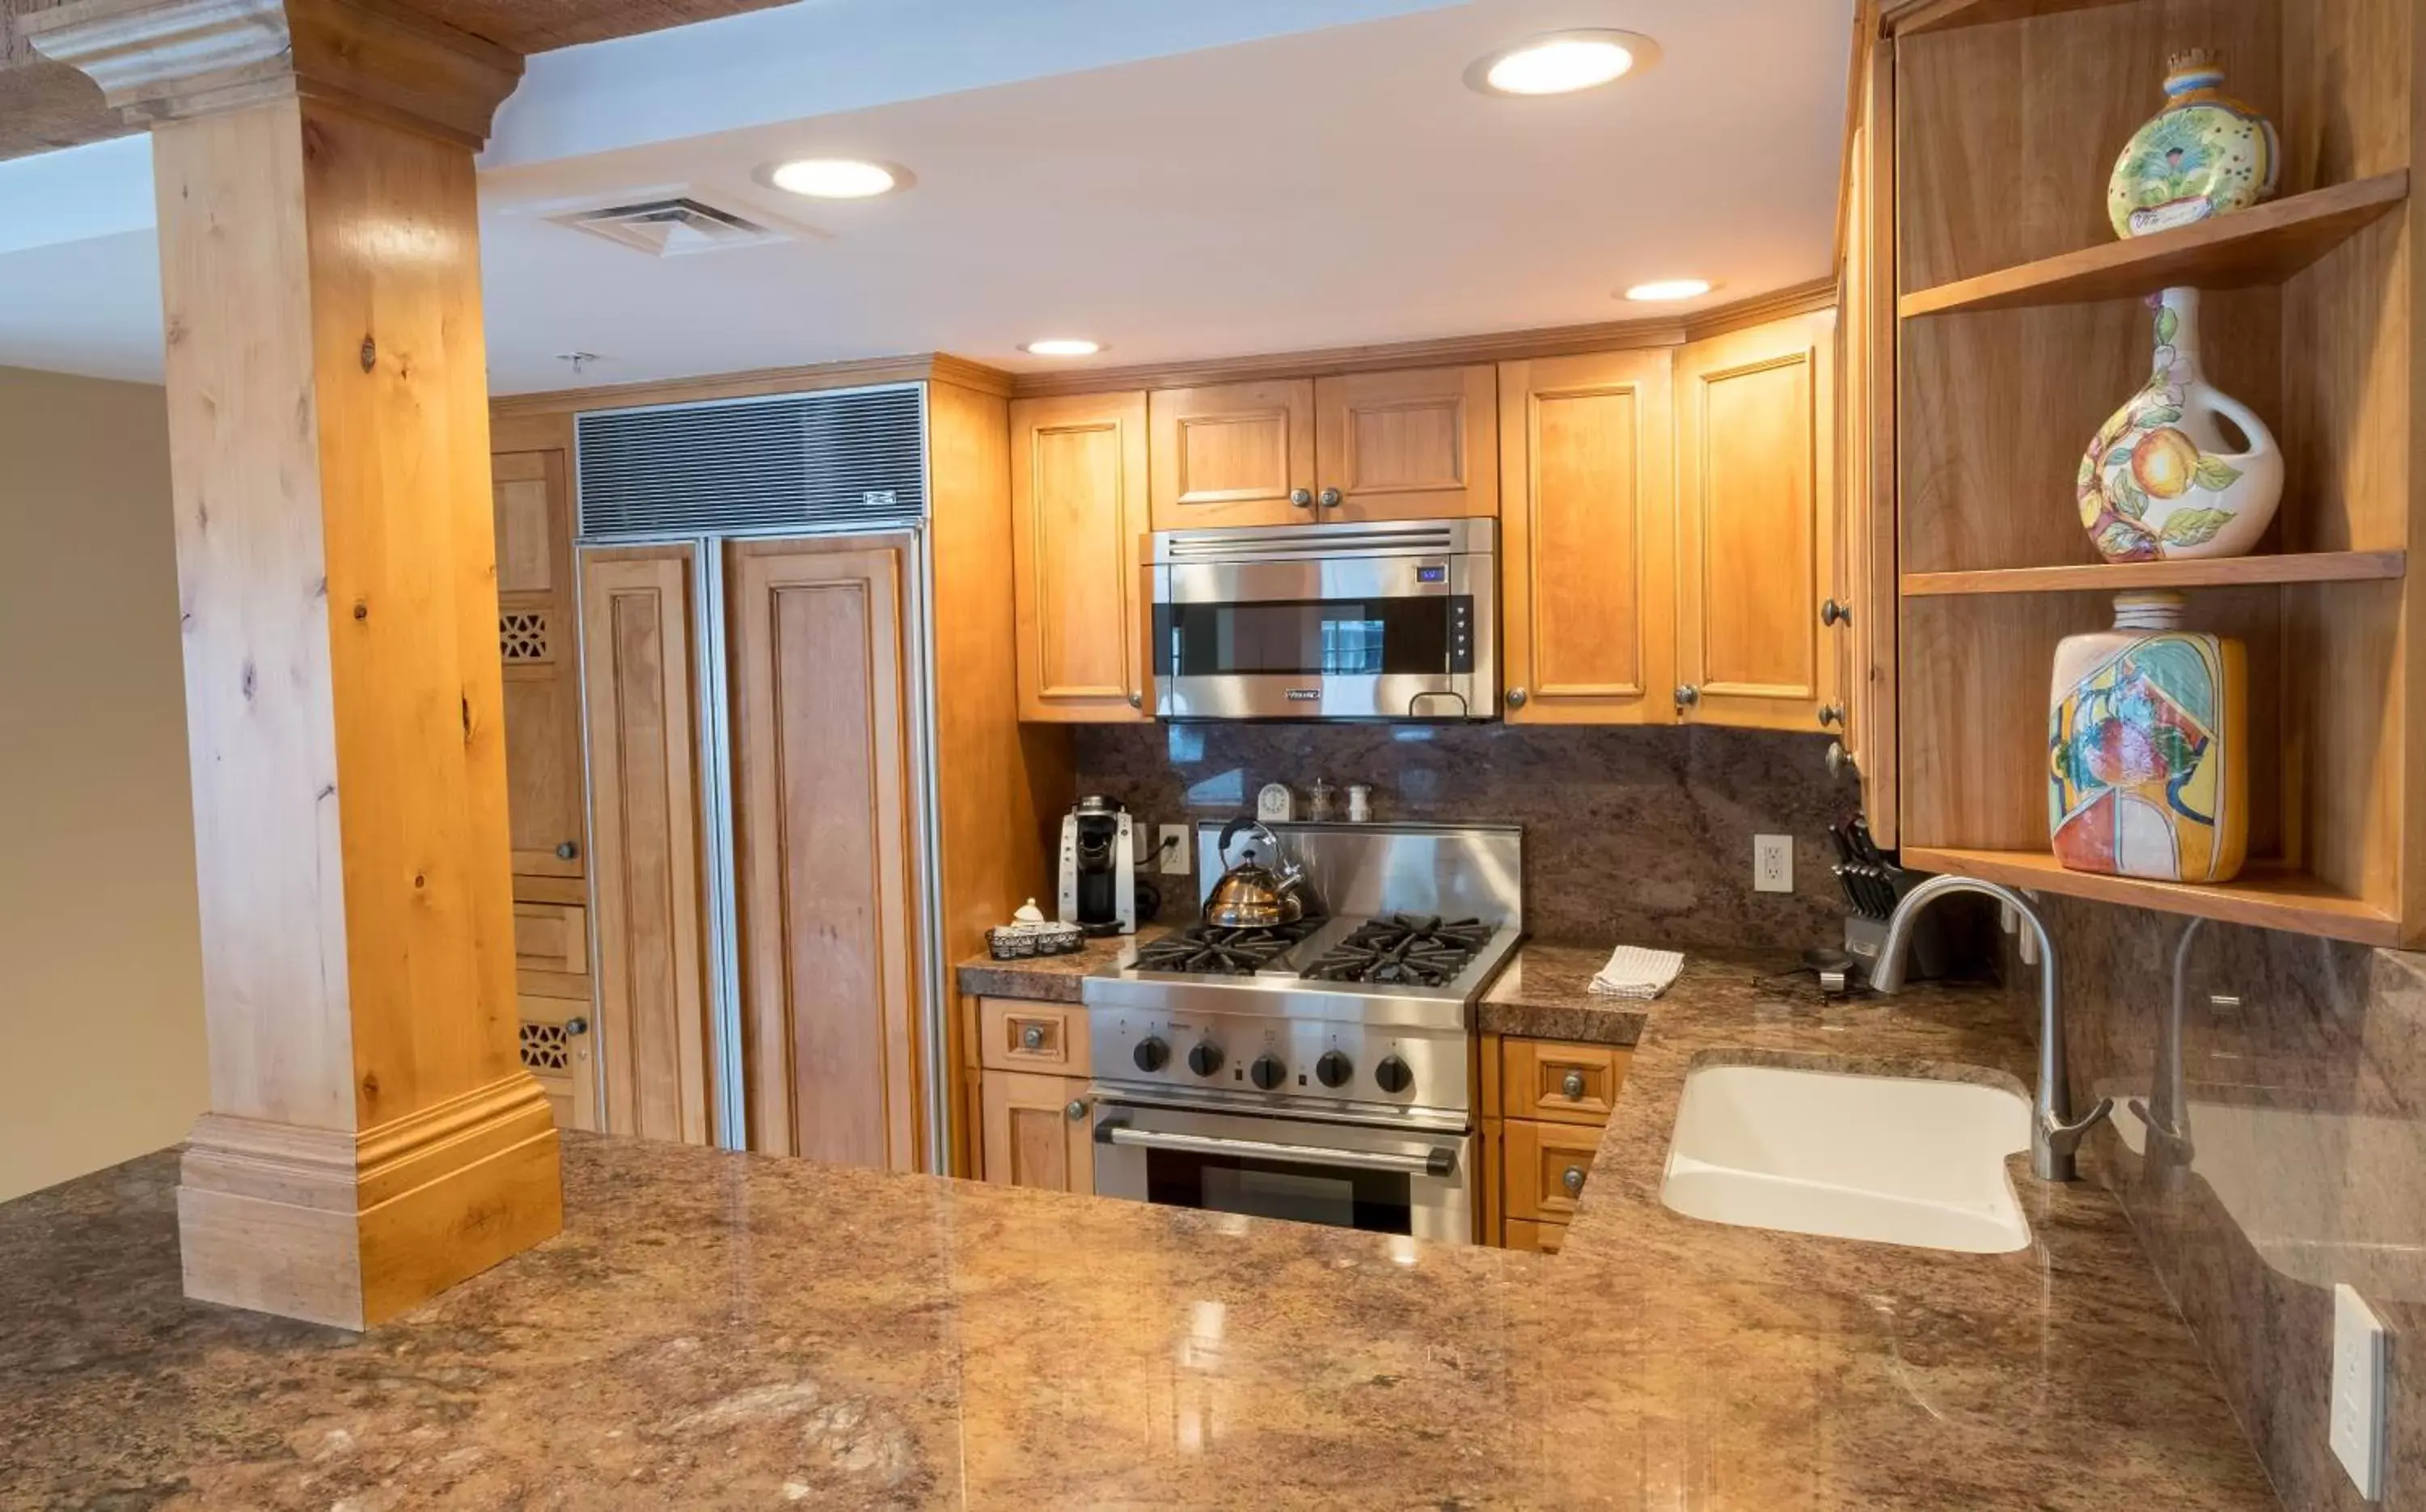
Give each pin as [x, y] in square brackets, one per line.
[372, 1137]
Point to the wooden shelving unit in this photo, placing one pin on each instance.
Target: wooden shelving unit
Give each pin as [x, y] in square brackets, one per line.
[2266, 244]
[2307, 318]
[2109, 577]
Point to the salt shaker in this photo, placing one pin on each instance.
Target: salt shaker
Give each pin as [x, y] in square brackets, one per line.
[1360, 803]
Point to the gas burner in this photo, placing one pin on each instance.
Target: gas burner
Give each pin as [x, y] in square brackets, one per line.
[1400, 950]
[1203, 949]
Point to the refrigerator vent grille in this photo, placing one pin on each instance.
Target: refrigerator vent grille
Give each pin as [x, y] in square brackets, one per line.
[843, 460]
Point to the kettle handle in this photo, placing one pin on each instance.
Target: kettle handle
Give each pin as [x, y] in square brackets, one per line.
[1230, 832]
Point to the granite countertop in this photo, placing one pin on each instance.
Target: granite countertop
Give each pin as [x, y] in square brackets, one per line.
[715, 1329]
[1047, 979]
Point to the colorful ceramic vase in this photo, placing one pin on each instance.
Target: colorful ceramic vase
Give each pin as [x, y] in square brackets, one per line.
[2158, 482]
[2206, 154]
[2148, 747]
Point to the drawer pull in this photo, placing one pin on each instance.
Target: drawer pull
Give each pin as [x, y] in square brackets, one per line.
[1573, 1086]
[1076, 1110]
[1571, 1178]
[1032, 1036]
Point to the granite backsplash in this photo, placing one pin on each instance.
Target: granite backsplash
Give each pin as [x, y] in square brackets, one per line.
[1631, 836]
[2270, 1141]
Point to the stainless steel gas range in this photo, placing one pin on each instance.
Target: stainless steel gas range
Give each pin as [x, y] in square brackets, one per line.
[1322, 1070]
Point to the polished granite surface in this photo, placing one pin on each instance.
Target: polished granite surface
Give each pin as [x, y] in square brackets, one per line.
[715, 1329]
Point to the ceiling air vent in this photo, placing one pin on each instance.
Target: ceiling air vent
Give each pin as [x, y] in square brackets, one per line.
[670, 227]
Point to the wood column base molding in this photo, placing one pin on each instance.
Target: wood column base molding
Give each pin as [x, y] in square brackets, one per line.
[351, 1229]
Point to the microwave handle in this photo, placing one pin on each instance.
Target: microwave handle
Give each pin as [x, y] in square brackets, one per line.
[1434, 1162]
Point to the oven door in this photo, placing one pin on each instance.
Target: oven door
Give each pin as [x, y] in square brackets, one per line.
[1351, 635]
[1350, 1176]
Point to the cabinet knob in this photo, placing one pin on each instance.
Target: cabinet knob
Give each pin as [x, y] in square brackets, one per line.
[1831, 714]
[1841, 761]
[568, 850]
[1571, 1178]
[1832, 613]
[1032, 1036]
[1330, 499]
[1516, 698]
[1303, 498]
[1076, 1110]
[1573, 1086]
[1137, 698]
[577, 1027]
[1688, 695]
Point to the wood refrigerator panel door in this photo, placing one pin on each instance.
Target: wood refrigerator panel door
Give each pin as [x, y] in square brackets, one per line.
[823, 834]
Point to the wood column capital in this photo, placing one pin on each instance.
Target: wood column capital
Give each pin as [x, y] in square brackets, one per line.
[174, 59]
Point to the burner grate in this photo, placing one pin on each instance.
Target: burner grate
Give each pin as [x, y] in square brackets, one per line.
[1402, 951]
[1206, 951]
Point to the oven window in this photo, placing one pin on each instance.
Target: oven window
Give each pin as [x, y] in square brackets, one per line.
[1376, 1201]
[1311, 637]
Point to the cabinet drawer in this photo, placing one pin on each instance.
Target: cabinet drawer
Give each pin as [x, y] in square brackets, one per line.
[1561, 1082]
[1545, 1165]
[1032, 1037]
[552, 937]
[1535, 1237]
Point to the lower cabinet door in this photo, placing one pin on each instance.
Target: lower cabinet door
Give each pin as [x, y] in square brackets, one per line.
[1536, 1237]
[555, 1039]
[1037, 1131]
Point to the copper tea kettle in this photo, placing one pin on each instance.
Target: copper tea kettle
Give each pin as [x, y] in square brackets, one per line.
[1250, 894]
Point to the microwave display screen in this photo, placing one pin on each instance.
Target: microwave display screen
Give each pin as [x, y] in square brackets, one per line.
[1319, 638]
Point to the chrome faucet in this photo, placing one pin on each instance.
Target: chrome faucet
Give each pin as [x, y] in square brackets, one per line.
[2053, 1137]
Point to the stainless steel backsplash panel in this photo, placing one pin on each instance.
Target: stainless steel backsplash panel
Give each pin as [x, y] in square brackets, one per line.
[1456, 870]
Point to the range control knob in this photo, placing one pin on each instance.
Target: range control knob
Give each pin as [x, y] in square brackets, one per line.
[1151, 1054]
[1267, 1073]
[1205, 1058]
[1333, 1069]
[1393, 1075]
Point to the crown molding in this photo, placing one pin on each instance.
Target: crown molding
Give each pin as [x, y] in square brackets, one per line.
[933, 367]
[161, 60]
[1784, 304]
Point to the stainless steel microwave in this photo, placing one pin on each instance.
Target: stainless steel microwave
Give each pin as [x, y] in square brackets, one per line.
[1353, 621]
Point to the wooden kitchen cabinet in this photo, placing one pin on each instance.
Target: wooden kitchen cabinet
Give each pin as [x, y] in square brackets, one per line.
[1078, 493]
[1545, 1105]
[1757, 525]
[539, 644]
[1037, 1131]
[1587, 549]
[1232, 453]
[1417, 445]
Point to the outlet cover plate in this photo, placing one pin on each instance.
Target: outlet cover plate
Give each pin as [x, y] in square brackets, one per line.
[2357, 1432]
[1171, 842]
[1772, 863]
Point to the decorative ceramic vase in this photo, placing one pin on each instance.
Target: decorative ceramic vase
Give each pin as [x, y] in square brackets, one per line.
[2206, 154]
[2148, 747]
[2158, 482]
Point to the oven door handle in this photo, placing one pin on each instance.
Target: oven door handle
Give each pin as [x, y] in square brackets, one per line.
[1434, 1162]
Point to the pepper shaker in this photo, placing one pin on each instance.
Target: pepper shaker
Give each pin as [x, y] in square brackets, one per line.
[1360, 803]
[1320, 803]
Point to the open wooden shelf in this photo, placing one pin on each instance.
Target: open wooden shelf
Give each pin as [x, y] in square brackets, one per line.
[1945, 15]
[2270, 897]
[2266, 244]
[2223, 571]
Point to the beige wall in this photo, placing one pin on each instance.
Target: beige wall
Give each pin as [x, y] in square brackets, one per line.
[100, 1018]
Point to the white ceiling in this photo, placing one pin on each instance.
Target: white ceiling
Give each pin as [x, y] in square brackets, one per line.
[1178, 181]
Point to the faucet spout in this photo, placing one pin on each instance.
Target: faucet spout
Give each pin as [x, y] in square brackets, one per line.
[2055, 1135]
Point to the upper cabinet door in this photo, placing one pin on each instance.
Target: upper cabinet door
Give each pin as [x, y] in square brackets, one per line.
[647, 886]
[1757, 523]
[1078, 511]
[536, 640]
[1586, 550]
[1233, 453]
[1421, 444]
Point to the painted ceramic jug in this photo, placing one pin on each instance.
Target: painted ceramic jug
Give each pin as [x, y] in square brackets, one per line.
[2148, 747]
[2206, 154]
[2159, 481]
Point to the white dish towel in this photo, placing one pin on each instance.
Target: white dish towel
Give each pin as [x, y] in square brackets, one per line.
[1635, 972]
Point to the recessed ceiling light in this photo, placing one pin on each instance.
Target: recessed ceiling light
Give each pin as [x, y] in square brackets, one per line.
[1561, 62]
[1670, 289]
[1062, 347]
[835, 178]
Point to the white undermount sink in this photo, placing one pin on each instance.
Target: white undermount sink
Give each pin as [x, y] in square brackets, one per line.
[1900, 1160]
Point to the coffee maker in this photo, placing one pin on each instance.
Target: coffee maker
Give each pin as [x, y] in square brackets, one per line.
[1098, 868]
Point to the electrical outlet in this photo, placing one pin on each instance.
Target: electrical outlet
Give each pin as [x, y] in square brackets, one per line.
[1772, 863]
[1172, 849]
[2357, 1431]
